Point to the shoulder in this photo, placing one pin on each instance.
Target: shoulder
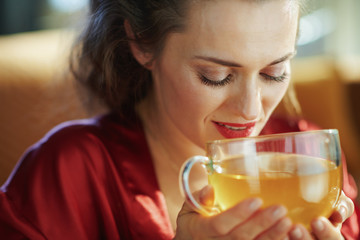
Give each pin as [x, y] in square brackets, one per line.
[71, 131]
[65, 177]
[93, 133]
[77, 148]
[62, 150]
[67, 142]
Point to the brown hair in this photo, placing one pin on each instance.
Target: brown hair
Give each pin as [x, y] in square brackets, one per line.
[101, 59]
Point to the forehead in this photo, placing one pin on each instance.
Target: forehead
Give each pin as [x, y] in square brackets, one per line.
[242, 27]
[258, 14]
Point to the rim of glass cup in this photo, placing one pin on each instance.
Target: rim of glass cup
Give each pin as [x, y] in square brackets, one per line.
[274, 136]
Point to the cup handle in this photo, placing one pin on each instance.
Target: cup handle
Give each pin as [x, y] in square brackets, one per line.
[184, 184]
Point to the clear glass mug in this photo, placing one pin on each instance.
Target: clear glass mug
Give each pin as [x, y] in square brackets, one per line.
[301, 170]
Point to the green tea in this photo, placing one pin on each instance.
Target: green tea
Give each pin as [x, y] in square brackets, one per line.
[309, 187]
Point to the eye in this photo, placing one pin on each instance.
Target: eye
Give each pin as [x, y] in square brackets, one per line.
[274, 78]
[215, 83]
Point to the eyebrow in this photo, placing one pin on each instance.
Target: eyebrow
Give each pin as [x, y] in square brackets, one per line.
[234, 64]
[284, 58]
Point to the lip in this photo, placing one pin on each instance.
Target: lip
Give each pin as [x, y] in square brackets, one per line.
[240, 129]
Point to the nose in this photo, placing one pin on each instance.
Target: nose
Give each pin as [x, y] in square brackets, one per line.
[247, 99]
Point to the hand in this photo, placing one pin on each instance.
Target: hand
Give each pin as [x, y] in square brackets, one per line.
[323, 228]
[243, 221]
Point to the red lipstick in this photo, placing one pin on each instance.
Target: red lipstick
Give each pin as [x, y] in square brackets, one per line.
[234, 130]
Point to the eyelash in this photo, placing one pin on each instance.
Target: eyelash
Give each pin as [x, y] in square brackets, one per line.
[213, 83]
[228, 79]
[272, 78]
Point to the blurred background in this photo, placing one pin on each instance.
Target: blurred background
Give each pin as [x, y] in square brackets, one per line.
[35, 36]
[329, 27]
[30, 15]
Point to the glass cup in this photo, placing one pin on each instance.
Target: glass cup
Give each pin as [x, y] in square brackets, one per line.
[301, 171]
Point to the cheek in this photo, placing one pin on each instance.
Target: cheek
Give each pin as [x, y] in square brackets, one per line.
[272, 95]
[187, 104]
[183, 96]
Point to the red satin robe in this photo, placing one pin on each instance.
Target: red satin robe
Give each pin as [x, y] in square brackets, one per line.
[94, 179]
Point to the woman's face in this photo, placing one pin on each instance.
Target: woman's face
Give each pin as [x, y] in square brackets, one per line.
[224, 75]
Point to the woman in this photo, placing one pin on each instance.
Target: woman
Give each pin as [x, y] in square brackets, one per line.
[174, 75]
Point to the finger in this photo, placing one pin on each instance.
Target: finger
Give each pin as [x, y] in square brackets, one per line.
[344, 210]
[223, 223]
[323, 229]
[260, 222]
[299, 232]
[338, 216]
[278, 231]
[207, 196]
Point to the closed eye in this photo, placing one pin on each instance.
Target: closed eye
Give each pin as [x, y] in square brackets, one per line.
[215, 83]
[273, 78]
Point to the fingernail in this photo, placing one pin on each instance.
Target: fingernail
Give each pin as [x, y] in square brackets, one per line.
[343, 212]
[255, 204]
[318, 225]
[285, 224]
[279, 212]
[207, 196]
[296, 233]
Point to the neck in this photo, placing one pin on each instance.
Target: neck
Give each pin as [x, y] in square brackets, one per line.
[169, 149]
[166, 142]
